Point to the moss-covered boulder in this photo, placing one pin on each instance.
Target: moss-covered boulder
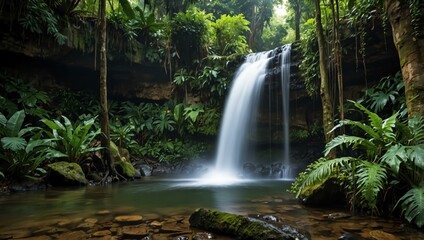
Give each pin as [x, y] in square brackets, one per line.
[327, 194]
[66, 174]
[122, 162]
[242, 227]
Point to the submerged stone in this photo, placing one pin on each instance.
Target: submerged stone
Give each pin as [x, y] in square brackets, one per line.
[135, 231]
[128, 219]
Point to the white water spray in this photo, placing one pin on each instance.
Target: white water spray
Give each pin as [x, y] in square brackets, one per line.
[240, 111]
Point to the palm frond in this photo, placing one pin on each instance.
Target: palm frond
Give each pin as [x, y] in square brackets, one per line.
[321, 173]
[413, 205]
[371, 178]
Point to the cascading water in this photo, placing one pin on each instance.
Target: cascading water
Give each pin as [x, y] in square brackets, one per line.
[239, 113]
[285, 82]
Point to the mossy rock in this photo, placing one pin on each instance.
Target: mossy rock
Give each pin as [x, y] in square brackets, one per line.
[67, 174]
[126, 168]
[121, 157]
[327, 194]
[242, 227]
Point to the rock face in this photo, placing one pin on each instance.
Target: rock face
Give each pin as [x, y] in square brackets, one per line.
[242, 227]
[66, 174]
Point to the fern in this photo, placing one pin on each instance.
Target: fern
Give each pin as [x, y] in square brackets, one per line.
[371, 178]
[413, 205]
[321, 173]
[355, 142]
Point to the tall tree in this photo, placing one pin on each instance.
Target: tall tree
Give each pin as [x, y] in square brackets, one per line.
[296, 5]
[104, 116]
[406, 19]
[327, 109]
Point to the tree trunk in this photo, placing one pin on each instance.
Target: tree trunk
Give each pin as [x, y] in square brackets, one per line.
[297, 14]
[327, 109]
[104, 117]
[410, 48]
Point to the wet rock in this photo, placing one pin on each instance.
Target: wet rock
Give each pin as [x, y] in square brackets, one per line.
[66, 222]
[155, 224]
[85, 226]
[337, 215]
[102, 233]
[26, 186]
[242, 227]
[103, 212]
[161, 170]
[128, 219]
[19, 233]
[75, 235]
[269, 218]
[66, 174]
[91, 220]
[381, 235]
[50, 230]
[44, 237]
[351, 236]
[145, 170]
[137, 232]
[203, 236]
[329, 194]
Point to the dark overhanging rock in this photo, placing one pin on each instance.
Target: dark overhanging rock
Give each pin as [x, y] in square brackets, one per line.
[243, 227]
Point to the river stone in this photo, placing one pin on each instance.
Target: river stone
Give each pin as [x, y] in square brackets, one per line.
[337, 215]
[20, 233]
[102, 233]
[103, 212]
[137, 232]
[50, 230]
[203, 236]
[65, 173]
[44, 237]
[85, 225]
[91, 220]
[128, 219]
[75, 235]
[381, 235]
[66, 222]
[155, 224]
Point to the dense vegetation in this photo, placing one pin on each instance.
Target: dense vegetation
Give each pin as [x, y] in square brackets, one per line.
[375, 153]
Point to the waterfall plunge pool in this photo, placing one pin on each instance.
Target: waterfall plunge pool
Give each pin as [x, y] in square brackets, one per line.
[171, 201]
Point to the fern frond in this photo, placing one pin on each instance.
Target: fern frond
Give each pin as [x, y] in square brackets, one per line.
[413, 205]
[375, 120]
[371, 178]
[321, 173]
[354, 141]
[367, 129]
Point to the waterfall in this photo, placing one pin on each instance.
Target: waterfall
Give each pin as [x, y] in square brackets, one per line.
[285, 82]
[240, 110]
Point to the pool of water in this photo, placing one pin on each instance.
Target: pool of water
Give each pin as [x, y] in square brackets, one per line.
[158, 199]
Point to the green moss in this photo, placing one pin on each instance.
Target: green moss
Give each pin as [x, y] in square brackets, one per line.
[127, 168]
[70, 171]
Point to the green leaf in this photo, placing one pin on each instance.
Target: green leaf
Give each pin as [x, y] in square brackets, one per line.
[371, 178]
[3, 119]
[126, 7]
[14, 124]
[355, 142]
[413, 205]
[322, 172]
[410, 155]
[13, 143]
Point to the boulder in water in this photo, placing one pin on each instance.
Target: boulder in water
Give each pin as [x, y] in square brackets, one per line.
[66, 173]
[242, 227]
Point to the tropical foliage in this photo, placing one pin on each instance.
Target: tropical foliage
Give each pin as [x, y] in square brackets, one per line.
[385, 157]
